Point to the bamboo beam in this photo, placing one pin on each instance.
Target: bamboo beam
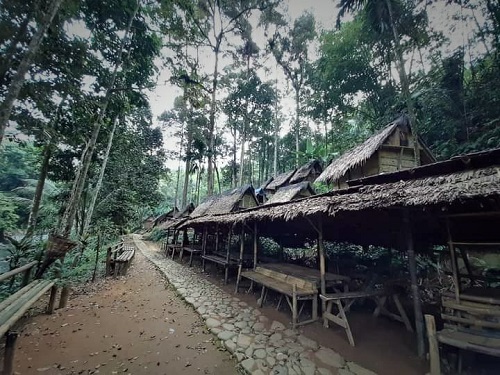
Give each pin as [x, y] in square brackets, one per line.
[15, 271]
[255, 245]
[240, 261]
[417, 305]
[322, 263]
[228, 255]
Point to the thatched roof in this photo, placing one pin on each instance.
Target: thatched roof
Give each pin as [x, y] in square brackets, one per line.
[291, 192]
[280, 180]
[224, 203]
[311, 169]
[266, 183]
[179, 217]
[358, 155]
[165, 216]
[458, 185]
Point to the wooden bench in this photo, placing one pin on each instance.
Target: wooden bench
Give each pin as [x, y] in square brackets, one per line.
[192, 250]
[220, 259]
[118, 258]
[292, 288]
[344, 301]
[16, 305]
[470, 323]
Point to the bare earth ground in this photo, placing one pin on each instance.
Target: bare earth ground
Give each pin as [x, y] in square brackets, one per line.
[131, 325]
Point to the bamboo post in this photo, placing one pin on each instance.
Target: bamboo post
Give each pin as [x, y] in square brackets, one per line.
[433, 345]
[228, 256]
[52, 300]
[240, 261]
[204, 247]
[322, 267]
[64, 296]
[96, 257]
[10, 347]
[454, 264]
[108, 261]
[417, 305]
[216, 237]
[255, 245]
[26, 277]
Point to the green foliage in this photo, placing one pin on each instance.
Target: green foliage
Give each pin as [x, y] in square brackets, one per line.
[8, 216]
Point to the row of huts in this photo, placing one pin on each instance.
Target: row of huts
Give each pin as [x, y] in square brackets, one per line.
[384, 192]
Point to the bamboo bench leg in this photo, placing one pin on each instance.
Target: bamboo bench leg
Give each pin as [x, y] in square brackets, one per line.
[260, 301]
[64, 296]
[433, 345]
[402, 313]
[191, 260]
[10, 347]
[52, 300]
[295, 316]
[226, 274]
[315, 308]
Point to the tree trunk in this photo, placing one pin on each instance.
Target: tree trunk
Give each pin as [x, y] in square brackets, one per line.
[405, 85]
[297, 126]
[98, 185]
[234, 171]
[47, 153]
[11, 49]
[81, 175]
[20, 75]
[242, 155]
[211, 129]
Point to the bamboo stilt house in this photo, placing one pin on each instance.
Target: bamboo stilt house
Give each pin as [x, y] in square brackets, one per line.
[391, 149]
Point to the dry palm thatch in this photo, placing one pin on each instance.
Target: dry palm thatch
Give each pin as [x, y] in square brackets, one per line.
[224, 203]
[291, 192]
[452, 188]
[280, 180]
[356, 156]
[308, 171]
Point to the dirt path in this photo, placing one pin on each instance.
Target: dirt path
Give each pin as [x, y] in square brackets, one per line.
[131, 325]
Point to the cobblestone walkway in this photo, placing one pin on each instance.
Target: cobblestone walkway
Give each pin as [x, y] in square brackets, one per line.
[261, 346]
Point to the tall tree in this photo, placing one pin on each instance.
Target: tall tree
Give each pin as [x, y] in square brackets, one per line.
[215, 21]
[290, 47]
[24, 65]
[387, 18]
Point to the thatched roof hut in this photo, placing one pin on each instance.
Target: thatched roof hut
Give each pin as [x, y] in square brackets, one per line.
[279, 181]
[308, 172]
[470, 182]
[165, 216]
[179, 217]
[389, 150]
[229, 201]
[291, 192]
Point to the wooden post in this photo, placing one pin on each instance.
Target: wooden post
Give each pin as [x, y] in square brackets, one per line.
[454, 264]
[10, 347]
[64, 296]
[281, 253]
[322, 268]
[240, 261]
[228, 256]
[204, 247]
[52, 300]
[26, 277]
[216, 237]
[108, 261]
[255, 245]
[96, 256]
[433, 345]
[417, 305]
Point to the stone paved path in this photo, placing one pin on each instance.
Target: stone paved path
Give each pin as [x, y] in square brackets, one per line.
[261, 346]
